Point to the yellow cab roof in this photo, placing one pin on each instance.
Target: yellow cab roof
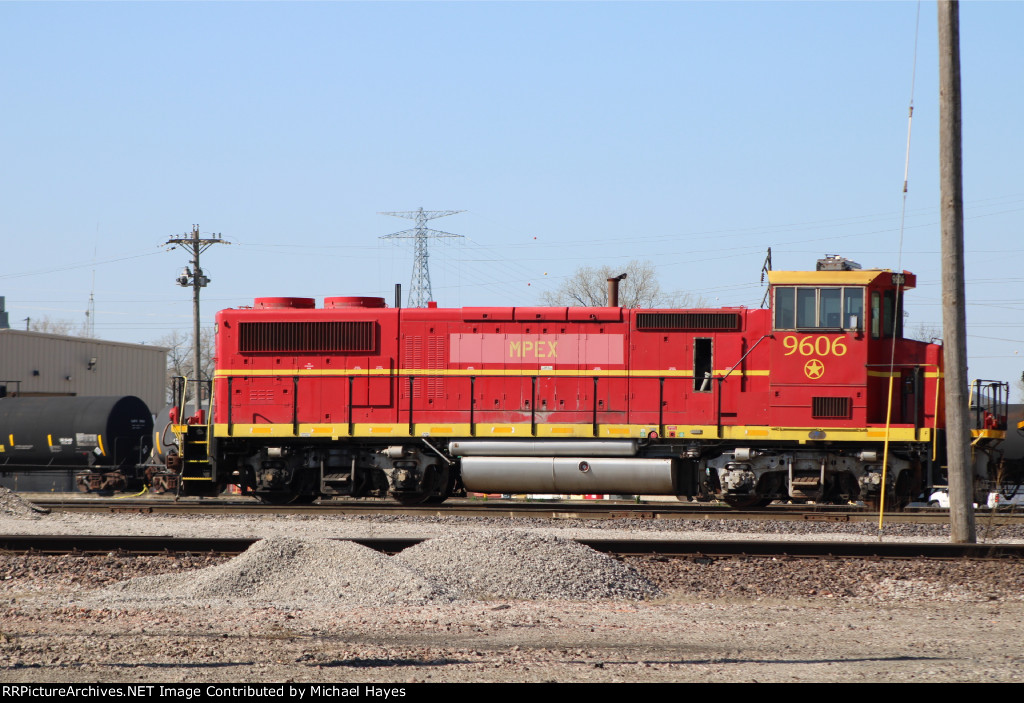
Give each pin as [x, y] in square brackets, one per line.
[835, 278]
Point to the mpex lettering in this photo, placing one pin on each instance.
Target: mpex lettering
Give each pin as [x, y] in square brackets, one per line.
[593, 350]
[536, 349]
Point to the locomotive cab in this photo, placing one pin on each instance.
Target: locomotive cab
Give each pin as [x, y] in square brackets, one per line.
[846, 387]
[838, 335]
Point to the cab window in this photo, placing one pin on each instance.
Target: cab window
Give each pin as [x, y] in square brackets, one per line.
[806, 307]
[809, 308]
[893, 315]
[876, 315]
[830, 307]
[785, 309]
[853, 308]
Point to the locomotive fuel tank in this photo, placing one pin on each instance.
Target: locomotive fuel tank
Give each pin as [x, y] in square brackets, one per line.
[502, 474]
[562, 467]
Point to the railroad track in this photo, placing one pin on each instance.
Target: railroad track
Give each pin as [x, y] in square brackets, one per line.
[515, 509]
[136, 545]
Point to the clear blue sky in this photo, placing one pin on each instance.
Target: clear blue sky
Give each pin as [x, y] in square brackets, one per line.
[695, 135]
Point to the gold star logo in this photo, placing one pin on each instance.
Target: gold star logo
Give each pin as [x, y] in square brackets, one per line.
[814, 369]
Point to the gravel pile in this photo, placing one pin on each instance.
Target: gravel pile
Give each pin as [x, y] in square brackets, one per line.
[520, 565]
[293, 572]
[290, 571]
[13, 505]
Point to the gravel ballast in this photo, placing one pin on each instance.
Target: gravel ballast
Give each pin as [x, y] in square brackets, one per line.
[494, 600]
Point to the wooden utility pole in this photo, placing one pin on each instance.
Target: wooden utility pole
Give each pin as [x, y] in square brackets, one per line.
[954, 318]
[196, 279]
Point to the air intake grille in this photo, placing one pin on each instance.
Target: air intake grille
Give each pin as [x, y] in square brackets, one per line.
[830, 407]
[724, 321]
[306, 336]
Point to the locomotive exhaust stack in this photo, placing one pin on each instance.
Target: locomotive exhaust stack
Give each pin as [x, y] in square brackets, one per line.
[613, 290]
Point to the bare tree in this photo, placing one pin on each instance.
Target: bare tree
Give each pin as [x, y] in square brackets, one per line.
[180, 357]
[641, 289]
[924, 332]
[46, 325]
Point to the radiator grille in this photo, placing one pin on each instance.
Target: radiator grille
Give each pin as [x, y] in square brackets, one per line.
[430, 354]
[725, 321]
[830, 407]
[351, 336]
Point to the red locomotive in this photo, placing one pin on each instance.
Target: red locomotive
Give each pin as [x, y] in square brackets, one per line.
[795, 402]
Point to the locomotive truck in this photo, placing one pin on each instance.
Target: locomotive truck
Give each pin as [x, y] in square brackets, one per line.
[805, 400]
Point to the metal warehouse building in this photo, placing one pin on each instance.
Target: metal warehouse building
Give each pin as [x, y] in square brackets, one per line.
[38, 364]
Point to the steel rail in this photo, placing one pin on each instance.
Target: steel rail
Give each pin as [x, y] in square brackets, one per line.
[518, 509]
[119, 544]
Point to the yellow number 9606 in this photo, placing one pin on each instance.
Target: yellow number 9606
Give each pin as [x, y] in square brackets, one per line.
[814, 346]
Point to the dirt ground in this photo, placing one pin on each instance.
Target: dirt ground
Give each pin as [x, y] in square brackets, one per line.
[47, 635]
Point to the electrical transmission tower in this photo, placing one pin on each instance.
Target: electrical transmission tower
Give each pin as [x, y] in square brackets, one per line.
[419, 288]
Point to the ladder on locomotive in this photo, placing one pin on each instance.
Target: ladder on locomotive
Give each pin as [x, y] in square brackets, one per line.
[193, 434]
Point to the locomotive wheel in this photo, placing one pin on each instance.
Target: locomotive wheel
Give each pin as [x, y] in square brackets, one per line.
[449, 478]
[893, 503]
[280, 498]
[412, 498]
[746, 501]
[439, 476]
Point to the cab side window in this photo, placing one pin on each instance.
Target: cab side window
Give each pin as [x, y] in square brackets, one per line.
[876, 315]
[893, 315]
[853, 308]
